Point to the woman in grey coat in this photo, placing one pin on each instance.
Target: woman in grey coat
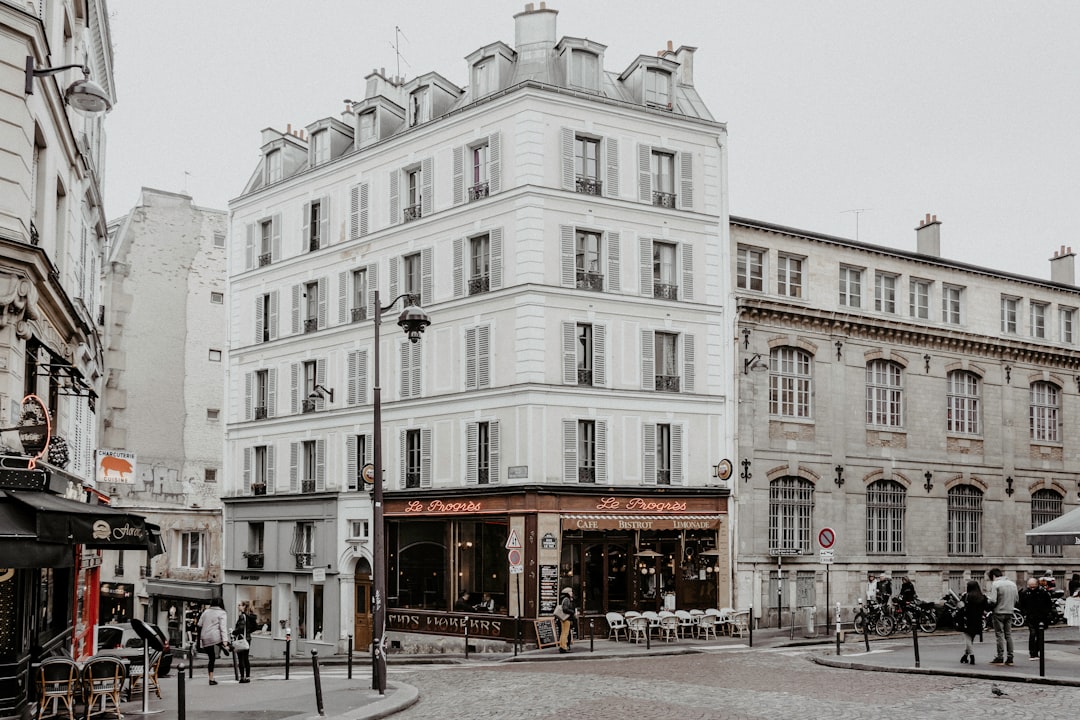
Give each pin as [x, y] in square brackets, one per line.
[213, 631]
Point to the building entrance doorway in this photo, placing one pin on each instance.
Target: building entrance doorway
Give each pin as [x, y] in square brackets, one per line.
[362, 615]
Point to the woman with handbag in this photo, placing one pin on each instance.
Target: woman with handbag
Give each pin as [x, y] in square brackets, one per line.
[213, 629]
[242, 641]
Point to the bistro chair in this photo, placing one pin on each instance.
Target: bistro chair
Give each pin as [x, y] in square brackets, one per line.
[740, 622]
[654, 621]
[135, 674]
[616, 624]
[723, 620]
[707, 626]
[103, 679]
[686, 622]
[669, 627]
[639, 628]
[58, 679]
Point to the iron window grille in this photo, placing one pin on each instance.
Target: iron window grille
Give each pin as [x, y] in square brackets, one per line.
[663, 199]
[478, 191]
[413, 212]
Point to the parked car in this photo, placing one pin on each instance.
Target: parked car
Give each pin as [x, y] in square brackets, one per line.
[122, 635]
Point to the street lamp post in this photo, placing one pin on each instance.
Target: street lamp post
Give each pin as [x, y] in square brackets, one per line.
[413, 321]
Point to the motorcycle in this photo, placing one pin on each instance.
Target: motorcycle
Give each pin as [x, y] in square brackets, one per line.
[952, 611]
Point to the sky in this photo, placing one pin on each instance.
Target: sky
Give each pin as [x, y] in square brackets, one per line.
[846, 117]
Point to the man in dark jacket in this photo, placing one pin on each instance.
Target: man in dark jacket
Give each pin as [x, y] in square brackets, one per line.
[1037, 606]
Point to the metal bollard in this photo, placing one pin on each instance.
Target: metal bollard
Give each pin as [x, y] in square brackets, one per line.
[181, 694]
[915, 638]
[1042, 649]
[750, 625]
[235, 666]
[350, 657]
[648, 636]
[591, 634]
[288, 654]
[466, 637]
[191, 661]
[517, 634]
[318, 681]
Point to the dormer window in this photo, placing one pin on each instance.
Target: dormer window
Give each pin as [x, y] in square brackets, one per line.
[483, 77]
[419, 106]
[273, 166]
[585, 70]
[366, 126]
[320, 147]
[658, 88]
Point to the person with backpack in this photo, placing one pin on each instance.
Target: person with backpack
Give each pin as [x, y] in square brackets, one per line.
[565, 612]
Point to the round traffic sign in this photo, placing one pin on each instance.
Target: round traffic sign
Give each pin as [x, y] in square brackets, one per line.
[514, 556]
[826, 537]
[368, 473]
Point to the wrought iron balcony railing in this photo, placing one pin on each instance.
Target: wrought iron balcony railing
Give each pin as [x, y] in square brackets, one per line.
[589, 280]
[665, 292]
[260, 413]
[413, 212]
[663, 199]
[313, 244]
[307, 406]
[479, 284]
[311, 324]
[478, 191]
[307, 486]
[304, 560]
[588, 186]
[667, 383]
[359, 313]
[265, 258]
[255, 561]
[586, 474]
[584, 376]
[258, 488]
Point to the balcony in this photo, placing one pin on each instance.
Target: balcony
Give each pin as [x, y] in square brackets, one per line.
[663, 477]
[119, 571]
[662, 291]
[586, 475]
[313, 244]
[265, 258]
[479, 284]
[307, 406]
[584, 376]
[663, 199]
[413, 212]
[667, 383]
[260, 413]
[35, 237]
[255, 561]
[478, 191]
[359, 313]
[482, 476]
[589, 280]
[311, 325]
[412, 479]
[307, 486]
[258, 488]
[304, 560]
[588, 186]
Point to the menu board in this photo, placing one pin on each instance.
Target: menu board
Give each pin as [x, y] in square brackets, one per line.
[549, 589]
[546, 634]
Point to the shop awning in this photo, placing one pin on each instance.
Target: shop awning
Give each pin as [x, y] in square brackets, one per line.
[59, 520]
[1064, 530]
[607, 521]
[19, 546]
[184, 590]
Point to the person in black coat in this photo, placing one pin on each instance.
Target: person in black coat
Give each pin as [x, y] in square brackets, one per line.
[1038, 607]
[975, 606]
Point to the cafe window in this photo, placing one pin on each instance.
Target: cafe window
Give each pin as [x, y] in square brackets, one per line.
[259, 598]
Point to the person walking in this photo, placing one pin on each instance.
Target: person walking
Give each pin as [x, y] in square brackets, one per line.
[1002, 599]
[242, 641]
[972, 618]
[213, 632]
[565, 612]
[1038, 607]
[1074, 584]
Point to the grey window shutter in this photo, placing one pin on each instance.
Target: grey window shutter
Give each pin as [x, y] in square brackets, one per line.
[601, 452]
[395, 208]
[483, 356]
[351, 463]
[648, 360]
[570, 462]
[320, 465]
[599, 375]
[688, 362]
[677, 455]
[648, 453]
[645, 246]
[322, 302]
[494, 162]
[373, 285]
[305, 227]
[459, 267]
[686, 181]
[471, 462]
[404, 460]
[614, 254]
[496, 239]
[354, 212]
[425, 458]
[406, 369]
[425, 277]
[295, 387]
[368, 448]
[611, 160]
[320, 379]
[275, 238]
[247, 470]
[566, 240]
[249, 247]
[260, 319]
[273, 315]
[394, 277]
[645, 173]
[343, 297]
[470, 358]
[351, 361]
[494, 470]
[566, 143]
[687, 271]
[416, 350]
[249, 384]
[426, 185]
[324, 220]
[569, 342]
[271, 393]
[294, 479]
[362, 376]
[271, 468]
[295, 309]
[365, 210]
[459, 175]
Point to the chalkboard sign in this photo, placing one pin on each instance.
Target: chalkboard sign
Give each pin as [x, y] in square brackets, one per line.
[546, 634]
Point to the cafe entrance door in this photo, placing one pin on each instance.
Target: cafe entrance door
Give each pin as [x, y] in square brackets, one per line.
[362, 616]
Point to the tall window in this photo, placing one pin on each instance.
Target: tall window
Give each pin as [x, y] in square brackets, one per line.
[303, 544]
[585, 70]
[483, 77]
[851, 287]
[950, 304]
[1038, 320]
[658, 88]
[262, 394]
[1068, 315]
[789, 383]
[273, 166]
[359, 294]
[260, 472]
[587, 254]
[584, 349]
[665, 354]
[884, 394]
[310, 374]
[886, 502]
[479, 264]
[413, 284]
[191, 550]
[663, 179]
[418, 106]
[791, 510]
[264, 311]
[919, 299]
[885, 293]
[962, 397]
[965, 520]
[412, 458]
[1044, 412]
[320, 146]
[315, 239]
[483, 453]
[587, 165]
[586, 451]
[750, 269]
[789, 276]
[367, 126]
[1046, 505]
[663, 454]
[308, 462]
[311, 307]
[1009, 310]
[665, 284]
[266, 247]
[412, 194]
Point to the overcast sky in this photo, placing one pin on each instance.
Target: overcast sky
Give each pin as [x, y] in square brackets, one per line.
[967, 109]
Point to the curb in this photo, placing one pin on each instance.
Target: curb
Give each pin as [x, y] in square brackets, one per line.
[404, 696]
[999, 677]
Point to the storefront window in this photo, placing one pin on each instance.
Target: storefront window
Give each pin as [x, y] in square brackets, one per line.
[481, 561]
[417, 565]
[259, 598]
[317, 610]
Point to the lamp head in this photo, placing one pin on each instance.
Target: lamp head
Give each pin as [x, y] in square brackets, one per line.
[87, 97]
[413, 321]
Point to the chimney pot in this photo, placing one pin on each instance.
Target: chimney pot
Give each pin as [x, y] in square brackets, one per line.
[670, 46]
[288, 129]
[529, 7]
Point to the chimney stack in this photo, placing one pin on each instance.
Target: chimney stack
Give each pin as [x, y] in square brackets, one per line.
[534, 32]
[1063, 266]
[928, 236]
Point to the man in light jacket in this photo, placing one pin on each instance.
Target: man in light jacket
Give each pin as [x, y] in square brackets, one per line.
[1002, 599]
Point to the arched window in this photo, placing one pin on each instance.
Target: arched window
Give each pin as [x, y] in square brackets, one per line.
[1043, 413]
[884, 394]
[1045, 506]
[963, 402]
[791, 513]
[886, 501]
[789, 383]
[965, 520]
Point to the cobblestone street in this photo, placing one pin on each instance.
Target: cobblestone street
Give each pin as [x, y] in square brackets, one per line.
[733, 683]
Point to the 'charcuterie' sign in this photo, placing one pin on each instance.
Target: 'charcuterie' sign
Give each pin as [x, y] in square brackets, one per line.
[115, 466]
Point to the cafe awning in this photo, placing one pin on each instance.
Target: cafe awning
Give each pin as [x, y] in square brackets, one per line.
[59, 520]
[606, 521]
[1064, 530]
[19, 545]
[162, 587]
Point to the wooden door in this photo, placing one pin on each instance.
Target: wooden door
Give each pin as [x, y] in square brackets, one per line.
[362, 620]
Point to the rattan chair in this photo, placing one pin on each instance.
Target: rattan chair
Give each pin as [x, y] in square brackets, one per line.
[616, 624]
[58, 681]
[102, 680]
[135, 673]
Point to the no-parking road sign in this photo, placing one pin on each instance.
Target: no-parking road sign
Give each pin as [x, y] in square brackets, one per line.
[826, 538]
